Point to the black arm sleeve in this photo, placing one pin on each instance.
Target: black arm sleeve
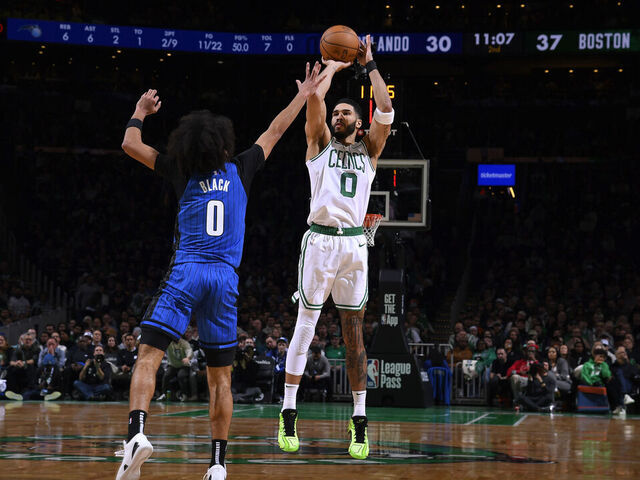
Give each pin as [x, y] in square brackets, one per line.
[248, 163]
[168, 169]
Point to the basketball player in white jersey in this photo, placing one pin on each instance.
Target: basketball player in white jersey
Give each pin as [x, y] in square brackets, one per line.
[333, 257]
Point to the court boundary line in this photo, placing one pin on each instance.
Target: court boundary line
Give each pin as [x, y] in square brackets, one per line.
[484, 415]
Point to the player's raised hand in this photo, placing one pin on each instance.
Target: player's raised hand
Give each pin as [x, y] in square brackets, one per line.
[149, 103]
[311, 81]
[364, 52]
[335, 65]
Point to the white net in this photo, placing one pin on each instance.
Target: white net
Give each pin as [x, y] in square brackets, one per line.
[370, 225]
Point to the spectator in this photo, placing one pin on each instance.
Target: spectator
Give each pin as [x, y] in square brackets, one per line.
[564, 352]
[461, 350]
[560, 368]
[124, 364]
[95, 377]
[632, 353]
[111, 352]
[578, 356]
[5, 355]
[498, 380]
[596, 372]
[43, 338]
[484, 356]
[23, 366]
[457, 328]
[512, 355]
[18, 304]
[335, 350]
[179, 356]
[96, 339]
[54, 350]
[76, 361]
[317, 373]
[628, 374]
[271, 347]
[518, 373]
[412, 329]
[244, 375]
[279, 368]
[56, 336]
[49, 384]
[540, 389]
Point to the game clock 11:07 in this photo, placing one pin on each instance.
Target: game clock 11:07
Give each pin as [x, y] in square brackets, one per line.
[493, 42]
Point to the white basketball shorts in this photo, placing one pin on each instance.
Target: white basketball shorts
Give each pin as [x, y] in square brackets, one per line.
[336, 265]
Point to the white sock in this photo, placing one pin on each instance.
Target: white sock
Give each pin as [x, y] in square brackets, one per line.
[290, 392]
[359, 402]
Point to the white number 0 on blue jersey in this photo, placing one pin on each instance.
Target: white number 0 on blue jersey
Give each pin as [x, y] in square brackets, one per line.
[215, 218]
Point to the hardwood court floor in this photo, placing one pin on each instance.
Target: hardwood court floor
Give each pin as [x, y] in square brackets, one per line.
[73, 440]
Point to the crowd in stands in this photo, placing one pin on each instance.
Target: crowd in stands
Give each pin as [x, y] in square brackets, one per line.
[558, 293]
[94, 359]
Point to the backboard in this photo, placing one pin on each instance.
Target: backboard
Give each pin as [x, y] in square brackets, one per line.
[400, 192]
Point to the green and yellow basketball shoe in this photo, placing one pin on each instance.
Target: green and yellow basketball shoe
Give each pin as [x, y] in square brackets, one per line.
[287, 433]
[359, 447]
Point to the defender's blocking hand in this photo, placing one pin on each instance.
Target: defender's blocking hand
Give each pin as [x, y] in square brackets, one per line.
[149, 103]
[311, 81]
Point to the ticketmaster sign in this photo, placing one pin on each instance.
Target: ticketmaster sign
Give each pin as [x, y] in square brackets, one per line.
[497, 175]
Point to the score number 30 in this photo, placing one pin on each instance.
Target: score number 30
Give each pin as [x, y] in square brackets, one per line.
[548, 42]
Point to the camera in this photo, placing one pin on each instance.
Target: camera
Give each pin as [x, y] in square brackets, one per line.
[599, 351]
[99, 359]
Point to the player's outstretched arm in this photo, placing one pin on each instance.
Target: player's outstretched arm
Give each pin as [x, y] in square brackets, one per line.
[284, 119]
[316, 129]
[132, 144]
[383, 116]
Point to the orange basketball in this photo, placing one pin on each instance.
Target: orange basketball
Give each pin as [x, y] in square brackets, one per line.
[339, 43]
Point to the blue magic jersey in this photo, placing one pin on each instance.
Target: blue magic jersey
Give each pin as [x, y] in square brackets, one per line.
[210, 222]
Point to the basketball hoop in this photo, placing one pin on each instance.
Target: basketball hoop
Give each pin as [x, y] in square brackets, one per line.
[370, 225]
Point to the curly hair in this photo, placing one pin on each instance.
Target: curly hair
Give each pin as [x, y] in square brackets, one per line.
[202, 142]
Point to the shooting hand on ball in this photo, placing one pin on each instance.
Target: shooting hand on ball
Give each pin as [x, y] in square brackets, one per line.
[149, 103]
[364, 52]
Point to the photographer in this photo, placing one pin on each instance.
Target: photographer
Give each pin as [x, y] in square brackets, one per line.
[244, 387]
[541, 386]
[95, 376]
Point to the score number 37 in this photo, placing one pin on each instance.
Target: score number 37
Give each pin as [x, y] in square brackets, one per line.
[548, 42]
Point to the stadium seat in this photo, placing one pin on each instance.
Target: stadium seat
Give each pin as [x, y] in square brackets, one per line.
[592, 399]
[264, 378]
[440, 378]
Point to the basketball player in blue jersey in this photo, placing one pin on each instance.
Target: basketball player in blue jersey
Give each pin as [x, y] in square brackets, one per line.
[212, 186]
[333, 258]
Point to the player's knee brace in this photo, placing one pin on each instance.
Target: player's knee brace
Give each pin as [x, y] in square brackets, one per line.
[302, 337]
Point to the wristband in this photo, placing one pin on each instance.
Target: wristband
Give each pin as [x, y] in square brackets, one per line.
[134, 122]
[371, 66]
[385, 118]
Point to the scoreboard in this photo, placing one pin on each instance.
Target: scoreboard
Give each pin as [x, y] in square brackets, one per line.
[242, 43]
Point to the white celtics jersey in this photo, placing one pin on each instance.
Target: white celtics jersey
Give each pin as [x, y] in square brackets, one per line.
[341, 179]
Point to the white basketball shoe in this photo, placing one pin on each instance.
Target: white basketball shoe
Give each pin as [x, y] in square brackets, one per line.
[217, 472]
[135, 453]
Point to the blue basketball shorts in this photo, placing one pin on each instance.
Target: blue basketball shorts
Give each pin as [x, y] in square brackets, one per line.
[209, 292]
